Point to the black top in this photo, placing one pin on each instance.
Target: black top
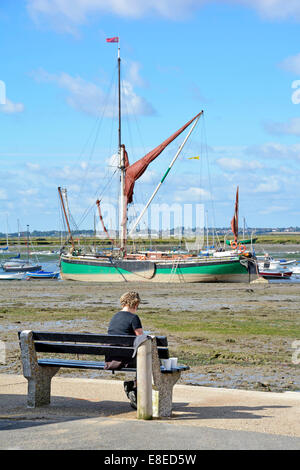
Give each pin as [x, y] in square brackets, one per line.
[124, 323]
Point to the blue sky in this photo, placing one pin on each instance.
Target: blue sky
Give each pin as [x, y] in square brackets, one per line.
[238, 60]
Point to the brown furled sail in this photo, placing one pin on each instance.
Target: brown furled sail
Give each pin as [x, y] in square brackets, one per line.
[135, 171]
[235, 218]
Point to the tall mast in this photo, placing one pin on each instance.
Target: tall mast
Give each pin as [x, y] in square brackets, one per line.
[119, 91]
[66, 217]
[6, 230]
[27, 243]
[123, 204]
[19, 235]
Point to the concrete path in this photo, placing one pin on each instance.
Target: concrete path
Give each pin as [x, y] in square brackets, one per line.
[95, 414]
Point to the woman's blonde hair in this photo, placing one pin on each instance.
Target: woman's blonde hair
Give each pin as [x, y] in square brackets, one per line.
[132, 299]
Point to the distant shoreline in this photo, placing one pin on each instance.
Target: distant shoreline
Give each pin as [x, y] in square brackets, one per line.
[278, 238]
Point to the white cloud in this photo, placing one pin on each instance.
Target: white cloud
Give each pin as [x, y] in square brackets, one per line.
[89, 98]
[3, 194]
[291, 64]
[149, 176]
[33, 166]
[271, 150]
[113, 161]
[65, 15]
[11, 108]
[75, 12]
[268, 185]
[28, 192]
[135, 104]
[72, 174]
[273, 209]
[292, 127]
[192, 194]
[272, 9]
[134, 76]
[234, 164]
[83, 165]
[265, 192]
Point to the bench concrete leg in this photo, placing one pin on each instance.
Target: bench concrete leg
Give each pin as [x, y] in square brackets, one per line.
[39, 378]
[162, 389]
[162, 394]
[39, 387]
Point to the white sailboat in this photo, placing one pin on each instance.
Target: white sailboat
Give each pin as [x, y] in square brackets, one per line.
[20, 265]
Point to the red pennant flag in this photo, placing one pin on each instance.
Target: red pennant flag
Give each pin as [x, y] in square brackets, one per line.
[115, 39]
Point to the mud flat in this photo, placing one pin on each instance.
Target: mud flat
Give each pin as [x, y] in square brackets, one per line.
[232, 335]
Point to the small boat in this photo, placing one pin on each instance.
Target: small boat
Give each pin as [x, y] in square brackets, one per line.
[43, 253]
[247, 241]
[11, 276]
[296, 268]
[284, 262]
[268, 262]
[42, 275]
[21, 265]
[275, 274]
[15, 267]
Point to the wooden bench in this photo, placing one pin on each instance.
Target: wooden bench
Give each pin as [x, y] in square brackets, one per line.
[154, 383]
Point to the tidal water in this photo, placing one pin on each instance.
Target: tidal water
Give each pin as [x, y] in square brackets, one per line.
[50, 262]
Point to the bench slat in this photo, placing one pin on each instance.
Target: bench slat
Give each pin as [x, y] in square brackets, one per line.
[92, 338]
[77, 364]
[84, 338]
[120, 351]
[83, 349]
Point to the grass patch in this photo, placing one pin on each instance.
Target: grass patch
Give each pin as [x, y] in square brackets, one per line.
[196, 338]
[237, 324]
[47, 314]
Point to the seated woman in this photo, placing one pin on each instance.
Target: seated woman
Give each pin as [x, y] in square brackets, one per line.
[126, 322]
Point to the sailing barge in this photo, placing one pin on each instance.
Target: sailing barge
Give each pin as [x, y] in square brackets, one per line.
[121, 266]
